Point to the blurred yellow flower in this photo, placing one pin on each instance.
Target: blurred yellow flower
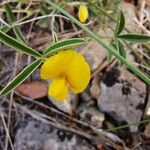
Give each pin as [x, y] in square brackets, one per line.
[83, 13]
[67, 70]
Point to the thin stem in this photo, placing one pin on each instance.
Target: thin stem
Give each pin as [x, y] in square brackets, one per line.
[127, 125]
[38, 18]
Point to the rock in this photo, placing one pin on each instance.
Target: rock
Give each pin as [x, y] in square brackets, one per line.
[122, 96]
[36, 135]
[121, 102]
[147, 131]
[92, 91]
[69, 105]
[94, 54]
[91, 115]
[72, 144]
[85, 96]
[125, 75]
[147, 110]
[95, 88]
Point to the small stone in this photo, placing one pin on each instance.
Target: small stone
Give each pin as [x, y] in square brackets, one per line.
[147, 131]
[100, 147]
[95, 88]
[86, 96]
[147, 110]
[48, 144]
[91, 115]
[125, 75]
[69, 105]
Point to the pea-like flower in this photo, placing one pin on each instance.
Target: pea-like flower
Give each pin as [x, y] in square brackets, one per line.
[67, 70]
[83, 13]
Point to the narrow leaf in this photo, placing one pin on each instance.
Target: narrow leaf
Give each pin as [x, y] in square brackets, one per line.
[9, 14]
[120, 23]
[11, 20]
[64, 44]
[135, 38]
[6, 39]
[110, 55]
[5, 29]
[19, 34]
[20, 77]
[120, 49]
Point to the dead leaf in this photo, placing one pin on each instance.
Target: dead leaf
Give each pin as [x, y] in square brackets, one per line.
[34, 90]
[70, 10]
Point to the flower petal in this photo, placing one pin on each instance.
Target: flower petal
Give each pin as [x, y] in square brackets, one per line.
[56, 65]
[58, 89]
[78, 73]
[83, 13]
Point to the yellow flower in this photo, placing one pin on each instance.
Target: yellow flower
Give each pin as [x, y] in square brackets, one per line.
[83, 13]
[67, 70]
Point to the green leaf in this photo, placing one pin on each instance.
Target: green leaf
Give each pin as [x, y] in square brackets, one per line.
[11, 20]
[9, 14]
[135, 38]
[24, 74]
[120, 23]
[110, 55]
[5, 29]
[19, 35]
[17, 45]
[63, 45]
[120, 49]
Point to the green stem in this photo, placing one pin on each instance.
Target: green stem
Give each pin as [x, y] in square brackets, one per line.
[94, 36]
[128, 125]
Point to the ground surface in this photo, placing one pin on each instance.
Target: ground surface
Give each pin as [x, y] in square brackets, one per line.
[115, 97]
